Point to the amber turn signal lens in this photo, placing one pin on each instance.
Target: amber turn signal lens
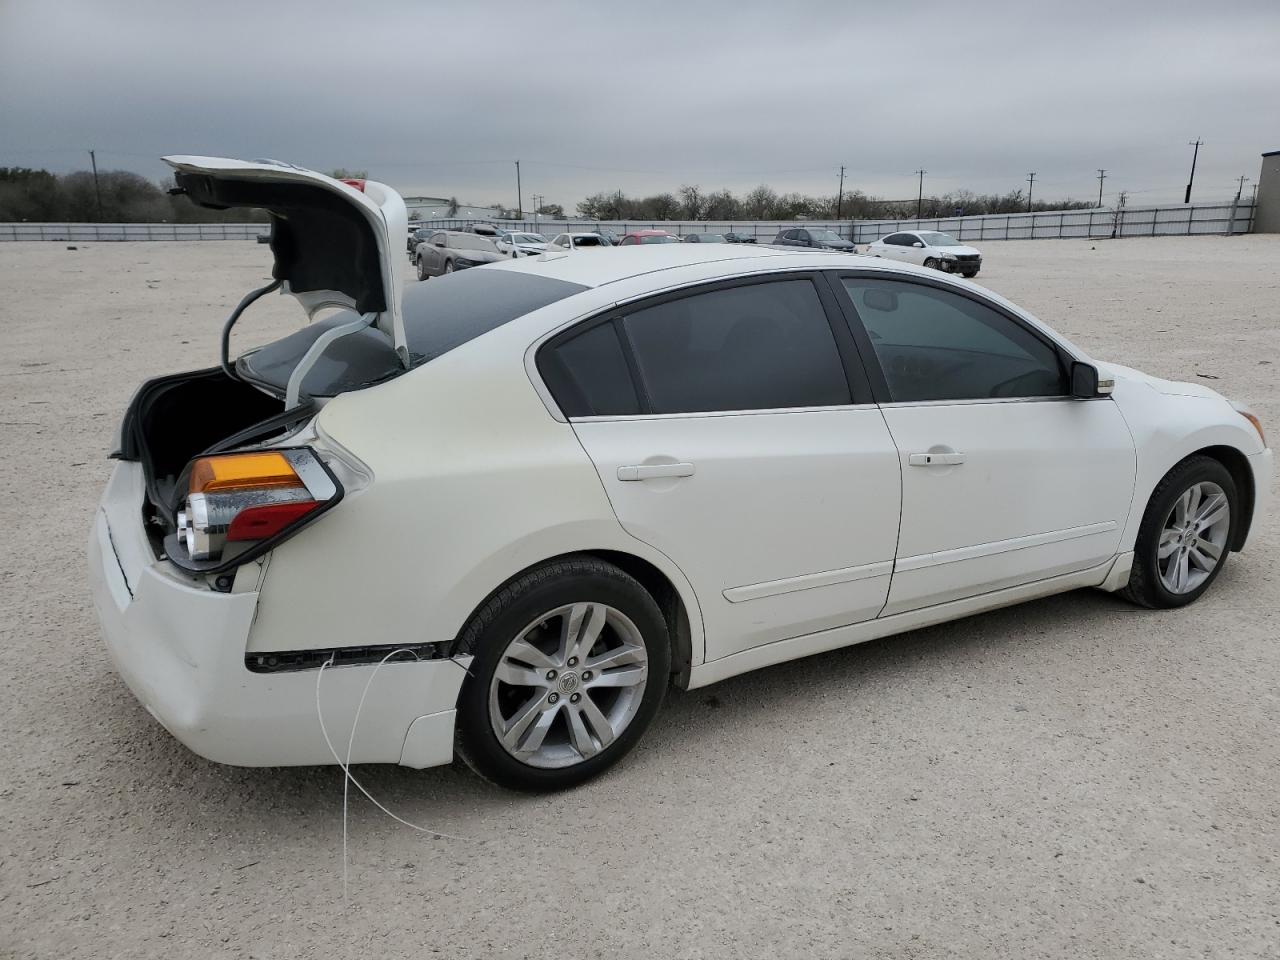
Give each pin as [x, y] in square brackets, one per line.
[242, 471]
[1257, 424]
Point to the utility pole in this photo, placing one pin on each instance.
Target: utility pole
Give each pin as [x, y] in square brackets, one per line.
[1102, 175]
[1031, 185]
[840, 195]
[1197, 143]
[920, 194]
[1240, 189]
[519, 195]
[97, 190]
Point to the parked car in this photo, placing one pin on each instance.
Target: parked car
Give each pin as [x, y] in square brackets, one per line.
[637, 237]
[579, 240]
[448, 250]
[929, 248]
[738, 238]
[704, 238]
[417, 235]
[813, 237]
[482, 228]
[512, 244]
[513, 506]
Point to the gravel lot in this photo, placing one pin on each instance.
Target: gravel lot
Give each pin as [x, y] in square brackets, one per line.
[1069, 778]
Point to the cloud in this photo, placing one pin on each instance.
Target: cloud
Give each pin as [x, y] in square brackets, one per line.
[443, 98]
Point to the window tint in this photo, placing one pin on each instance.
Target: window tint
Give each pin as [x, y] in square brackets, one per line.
[753, 347]
[588, 375]
[898, 239]
[936, 345]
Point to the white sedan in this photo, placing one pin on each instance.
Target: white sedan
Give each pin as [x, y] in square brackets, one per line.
[928, 248]
[513, 244]
[497, 515]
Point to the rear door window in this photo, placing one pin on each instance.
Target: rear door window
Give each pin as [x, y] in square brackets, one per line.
[757, 346]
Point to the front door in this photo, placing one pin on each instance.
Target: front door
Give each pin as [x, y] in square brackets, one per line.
[1005, 479]
[742, 450]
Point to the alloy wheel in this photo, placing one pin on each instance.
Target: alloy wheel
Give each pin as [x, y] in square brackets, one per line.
[1193, 537]
[568, 685]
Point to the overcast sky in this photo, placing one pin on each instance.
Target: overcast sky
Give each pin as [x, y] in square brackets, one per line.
[645, 95]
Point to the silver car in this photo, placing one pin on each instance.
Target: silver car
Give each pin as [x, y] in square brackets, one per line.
[448, 250]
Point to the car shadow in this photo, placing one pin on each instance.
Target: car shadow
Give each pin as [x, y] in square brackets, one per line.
[689, 722]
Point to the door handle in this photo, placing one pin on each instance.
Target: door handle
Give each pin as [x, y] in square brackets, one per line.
[935, 459]
[654, 471]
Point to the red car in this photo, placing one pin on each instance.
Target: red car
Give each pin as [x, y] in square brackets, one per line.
[647, 236]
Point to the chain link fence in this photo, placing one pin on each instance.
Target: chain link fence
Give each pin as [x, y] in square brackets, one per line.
[1229, 217]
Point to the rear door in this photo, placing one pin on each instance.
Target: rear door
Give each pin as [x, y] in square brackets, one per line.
[732, 428]
[1005, 478]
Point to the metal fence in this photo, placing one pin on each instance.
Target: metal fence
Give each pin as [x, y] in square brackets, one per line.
[102, 232]
[1175, 220]
[1180, 220]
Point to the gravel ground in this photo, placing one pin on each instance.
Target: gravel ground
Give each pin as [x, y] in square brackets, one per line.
[1069, 778]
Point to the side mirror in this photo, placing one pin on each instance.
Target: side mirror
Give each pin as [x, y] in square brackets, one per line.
[918, 244]
[1085, 384]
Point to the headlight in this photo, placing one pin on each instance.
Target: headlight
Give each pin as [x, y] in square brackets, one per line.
[248, 497]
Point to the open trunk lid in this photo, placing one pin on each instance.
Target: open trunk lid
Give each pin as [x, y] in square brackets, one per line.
[332, 239]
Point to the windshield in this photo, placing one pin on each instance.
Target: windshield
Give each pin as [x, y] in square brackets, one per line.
[940, 240]
[589, 241]
[659, 239]
[826, 236]
[528, 238]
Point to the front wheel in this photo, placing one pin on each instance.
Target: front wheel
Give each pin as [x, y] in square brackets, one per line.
[1185, 535]
[448, 266]
[571, 662]
[422, 269]
[931, 263]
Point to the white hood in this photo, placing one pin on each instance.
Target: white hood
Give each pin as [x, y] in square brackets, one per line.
[332, 240]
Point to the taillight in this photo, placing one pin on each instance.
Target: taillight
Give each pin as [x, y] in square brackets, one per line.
[250, 497]
[353, 183]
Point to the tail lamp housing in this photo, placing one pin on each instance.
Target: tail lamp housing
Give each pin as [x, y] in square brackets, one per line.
[240, 505]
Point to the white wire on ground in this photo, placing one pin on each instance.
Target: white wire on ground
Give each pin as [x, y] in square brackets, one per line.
[348, 779]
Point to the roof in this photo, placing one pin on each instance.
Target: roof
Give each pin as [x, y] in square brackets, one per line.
[594, 268]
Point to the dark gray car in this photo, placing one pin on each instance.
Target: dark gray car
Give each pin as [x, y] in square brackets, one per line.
[813, 237]
[448, 250]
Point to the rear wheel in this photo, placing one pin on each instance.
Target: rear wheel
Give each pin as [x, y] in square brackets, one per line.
[570, 665]
[422, 269]
[448, 266]
[1185, 535]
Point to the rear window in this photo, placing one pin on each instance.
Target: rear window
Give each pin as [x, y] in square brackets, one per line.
[438, 317]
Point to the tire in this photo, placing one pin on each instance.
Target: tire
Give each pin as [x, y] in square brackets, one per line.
[422, 269]
[970, 274]
[1150, 580]
[521, 668]
[931, 263]
[448, 266]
